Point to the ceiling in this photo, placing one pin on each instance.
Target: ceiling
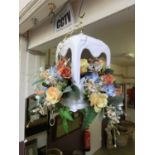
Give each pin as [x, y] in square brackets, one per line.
[117, 31]
[35, 11]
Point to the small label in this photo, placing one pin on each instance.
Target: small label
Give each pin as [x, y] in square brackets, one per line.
[64, 18]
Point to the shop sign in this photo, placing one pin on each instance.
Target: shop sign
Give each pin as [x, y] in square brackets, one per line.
[64, 18]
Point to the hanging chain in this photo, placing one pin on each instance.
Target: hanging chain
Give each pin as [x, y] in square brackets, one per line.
[52, 118]
[72, 30]
[52, 8]
[81, 4]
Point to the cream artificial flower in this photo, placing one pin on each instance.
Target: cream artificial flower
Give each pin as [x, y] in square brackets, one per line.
[83, 65]
[98, 101]
[53, 95]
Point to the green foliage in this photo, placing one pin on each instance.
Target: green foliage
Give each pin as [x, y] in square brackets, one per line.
[65, 125]
[102, 70]
[66, 116]
[38, 81]
[115, 100]
[109, 71]
[89, 117]
[72, 92]
[62, 85]
[67, 89]
[75, 92]
[86, 94]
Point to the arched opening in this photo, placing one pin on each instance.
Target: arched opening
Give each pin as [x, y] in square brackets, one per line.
[86, 54]
[68, 55]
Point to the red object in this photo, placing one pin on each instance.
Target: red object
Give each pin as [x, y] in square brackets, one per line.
[131, 95]
[65, 72]
[87, 140]
[108, 78]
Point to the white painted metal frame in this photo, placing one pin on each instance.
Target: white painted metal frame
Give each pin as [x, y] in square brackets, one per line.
[76, 44]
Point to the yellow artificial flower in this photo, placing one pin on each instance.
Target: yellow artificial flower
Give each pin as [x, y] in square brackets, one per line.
[83, 65]
[53, 95]
[102, 63]
[98, 101]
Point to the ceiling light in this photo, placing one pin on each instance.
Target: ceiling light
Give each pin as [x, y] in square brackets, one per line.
[130, 55]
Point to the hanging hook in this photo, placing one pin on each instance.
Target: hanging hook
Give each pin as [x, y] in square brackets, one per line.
[52, 8]
[52, 119]
[81, 15]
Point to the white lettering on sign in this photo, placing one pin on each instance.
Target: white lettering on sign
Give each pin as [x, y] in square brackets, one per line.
[64, 18]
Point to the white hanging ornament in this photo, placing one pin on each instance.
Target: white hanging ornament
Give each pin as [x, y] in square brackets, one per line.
[77, 44]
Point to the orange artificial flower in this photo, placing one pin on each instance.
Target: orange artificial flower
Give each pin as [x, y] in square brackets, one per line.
[108, 78]
[65, 72]
[39, 92]
[60, 64]
[53, 95]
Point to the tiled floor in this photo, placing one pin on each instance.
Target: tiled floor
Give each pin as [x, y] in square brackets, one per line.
[126, 150]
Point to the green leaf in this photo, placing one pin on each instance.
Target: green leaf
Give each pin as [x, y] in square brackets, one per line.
[75, 92]
[65, 125]
[61, 85]
[89, 117]
[38, 81]
[109, 71]
[68, 116]
[65, 114]
[67, 89]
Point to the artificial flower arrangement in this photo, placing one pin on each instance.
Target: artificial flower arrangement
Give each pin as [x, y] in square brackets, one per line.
[98, 88]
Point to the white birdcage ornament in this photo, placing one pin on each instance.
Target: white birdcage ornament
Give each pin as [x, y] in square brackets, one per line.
[77, 44]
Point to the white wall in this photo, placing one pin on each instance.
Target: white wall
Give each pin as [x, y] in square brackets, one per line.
[118, 72]
[96, 138]
[23, 3]
[124, 74]
[95, 10]
[120, 39]
[129, 74]
[130, 111]
[130, 114]
[29, 64]
[131, 71]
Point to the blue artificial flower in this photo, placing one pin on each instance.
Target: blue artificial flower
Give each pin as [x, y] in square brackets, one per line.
[54, 73]
[93, 76]
[109, 89]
